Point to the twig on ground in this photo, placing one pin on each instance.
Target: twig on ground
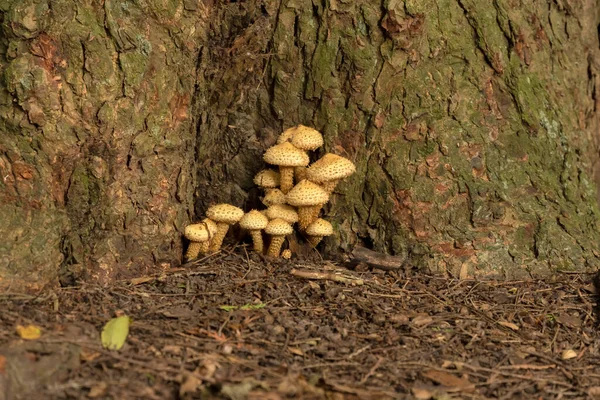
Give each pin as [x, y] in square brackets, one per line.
[331, 276]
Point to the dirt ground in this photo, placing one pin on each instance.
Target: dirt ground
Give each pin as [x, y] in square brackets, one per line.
[306, 331]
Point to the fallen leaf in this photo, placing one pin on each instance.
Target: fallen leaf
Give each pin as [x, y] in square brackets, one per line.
[296, 351]
[88, 355]
[115, 332]
[568, 354]
[189, 385]
[29, 332]
[452, 382]
[421, 320]
[509, 325]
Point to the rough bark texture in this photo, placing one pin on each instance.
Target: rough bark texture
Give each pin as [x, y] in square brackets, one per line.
[473, 126]
[95, 136]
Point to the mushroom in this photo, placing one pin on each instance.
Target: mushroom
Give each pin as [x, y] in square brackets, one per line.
[254, 221]
[197, 234]
[278, 229]
[309, 198]
[329, 170]
[286, 156]
[267, 178]
[306, 138]
[224, 215]
[273, 196]
[317, 231]
[287, 254]
[283, 211]
[212, 228]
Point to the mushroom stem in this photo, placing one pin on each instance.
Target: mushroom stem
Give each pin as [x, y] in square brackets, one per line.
[257, 240]
[314, 240]
[308, 215]
[193, 250]
[217, 240]
[286, 178]
[275, 246]
[204, 247]
[299, 173]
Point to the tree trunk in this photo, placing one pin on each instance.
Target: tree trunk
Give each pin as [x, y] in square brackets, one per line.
[473, 125]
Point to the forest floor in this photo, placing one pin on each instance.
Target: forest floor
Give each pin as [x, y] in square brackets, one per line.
[237, 326]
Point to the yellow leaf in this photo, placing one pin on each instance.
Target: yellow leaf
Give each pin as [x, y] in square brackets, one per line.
[115, 332]
[29, 332]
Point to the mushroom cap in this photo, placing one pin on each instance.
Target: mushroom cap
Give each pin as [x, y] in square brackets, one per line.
[211, 226]
[267, 178]
[286, 155]
[330, 167]
[286, 135]
[283, 211]
[307, 193]
[279, 227]
[273, 196]
[320, 227]
[306, 138]
[254, 220]
[225, 213]
[196, 233]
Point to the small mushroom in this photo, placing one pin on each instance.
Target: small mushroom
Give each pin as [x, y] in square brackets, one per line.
[317, 231]
[278, 229]
[197, 234]
[267, 178]
[273, 196]
[286, 156]
[212, 228]
[254, 222]
[309, 198]
[286, 254]
[283, 211]
[306, 138]
[224, 215]
[329, 170]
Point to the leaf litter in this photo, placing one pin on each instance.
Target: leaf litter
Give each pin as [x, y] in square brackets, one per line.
[233, 326]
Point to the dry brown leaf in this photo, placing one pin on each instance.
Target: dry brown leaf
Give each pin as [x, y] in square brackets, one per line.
[509, 325]
[88, 355]
[190, 385]
[296, 351]
[568, 354]
[452, 382]
[421, 321]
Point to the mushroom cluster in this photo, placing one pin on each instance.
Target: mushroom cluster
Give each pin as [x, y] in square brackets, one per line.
[295, 193]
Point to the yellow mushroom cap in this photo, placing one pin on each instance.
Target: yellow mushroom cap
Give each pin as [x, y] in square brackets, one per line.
[196, 233]
[211, 226]
[286, 135]
[283, 211]
[225, 213]
[330, 167]
[307, 193]
[273, 196]
[254, 220]
[286, 155]
[320, 227]
[279, 227]
[267, 178]
[306, 138]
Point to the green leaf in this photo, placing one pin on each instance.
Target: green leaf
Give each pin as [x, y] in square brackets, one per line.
[115, 332]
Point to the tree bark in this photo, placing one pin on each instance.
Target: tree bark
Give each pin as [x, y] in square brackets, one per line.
[473, 125]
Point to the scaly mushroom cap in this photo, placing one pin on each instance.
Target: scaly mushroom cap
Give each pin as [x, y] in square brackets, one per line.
[306, 138]
[279, 227]
[273, 196]
[283, 211]
[307, 193]
[317, 230]
[196, 233]
[254, 220]
[286, 155]
[330, 167]
[211, 226]
[225, 213]
[320, 227]
[286, 135]
[267, 178]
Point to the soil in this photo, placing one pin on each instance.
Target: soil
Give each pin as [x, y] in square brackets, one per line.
[305, 330]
